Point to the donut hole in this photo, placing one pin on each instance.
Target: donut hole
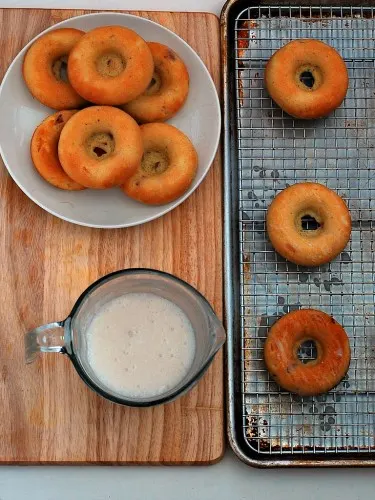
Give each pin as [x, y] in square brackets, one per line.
[154, 85]
[110, 64]
[307, 351]
[100, 146]
[309, 223]
[60, 69]
[154, 162]
[307, 78]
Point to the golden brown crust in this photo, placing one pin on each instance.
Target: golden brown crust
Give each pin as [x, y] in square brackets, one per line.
[308, 248]
[168, 167]
[110, 65]
[169, 91]
[282, 78]
[38, 71]
[43, 149]
[100, 147]
[317, 376]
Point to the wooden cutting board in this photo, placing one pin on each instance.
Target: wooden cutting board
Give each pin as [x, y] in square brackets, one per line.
[47, 415]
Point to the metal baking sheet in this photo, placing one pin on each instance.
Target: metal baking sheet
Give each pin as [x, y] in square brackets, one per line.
[265, 151]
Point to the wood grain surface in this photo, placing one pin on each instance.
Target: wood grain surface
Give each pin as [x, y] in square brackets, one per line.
[47, 415]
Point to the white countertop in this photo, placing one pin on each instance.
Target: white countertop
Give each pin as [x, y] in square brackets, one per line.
[171, 5]
[227, 479]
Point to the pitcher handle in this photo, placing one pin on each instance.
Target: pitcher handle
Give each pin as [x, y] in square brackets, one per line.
[45, 338]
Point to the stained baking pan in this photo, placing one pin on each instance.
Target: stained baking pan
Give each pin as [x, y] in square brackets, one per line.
[265, 151]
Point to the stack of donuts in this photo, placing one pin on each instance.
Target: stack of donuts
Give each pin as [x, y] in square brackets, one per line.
[308, 80]
[113, 92]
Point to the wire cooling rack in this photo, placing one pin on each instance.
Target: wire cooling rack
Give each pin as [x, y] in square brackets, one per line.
[275, 151]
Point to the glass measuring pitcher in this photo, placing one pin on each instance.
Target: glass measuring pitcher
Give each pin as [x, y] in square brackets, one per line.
[68, 336]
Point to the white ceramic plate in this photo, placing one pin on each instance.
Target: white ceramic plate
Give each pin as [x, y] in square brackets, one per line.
[199, 118]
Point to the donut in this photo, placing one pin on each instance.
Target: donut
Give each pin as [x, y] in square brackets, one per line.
[168, 166]
[281, 352]
[44, 69]
[307, 78]
[43, 149]
[100, 147]
[290, 237]
[110, 65]
[167, 91]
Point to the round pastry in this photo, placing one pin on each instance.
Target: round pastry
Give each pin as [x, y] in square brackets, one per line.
[317, 376]
[287, 221]
[43, 148]
[44, 69]
[100, 147]
[307, 78]
[167, 91]
[110, 65]
[168, 166]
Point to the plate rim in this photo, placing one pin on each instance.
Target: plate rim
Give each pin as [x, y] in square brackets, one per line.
[177, 202]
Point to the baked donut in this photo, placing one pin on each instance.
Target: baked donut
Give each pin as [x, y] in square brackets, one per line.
[44, 69]
[43, 149]
[100, 147]
[307, 78]
[296, 204]
[168, 166]
[110, 65]
[167, 91]
[281, 352]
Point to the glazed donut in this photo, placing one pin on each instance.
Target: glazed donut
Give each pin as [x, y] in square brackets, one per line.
[307, 78]
[286, 216]
[167, 91]
[43, 149]
[168, 166]
[281, 352]
[100, 147]
[110, 65]
[44, 69]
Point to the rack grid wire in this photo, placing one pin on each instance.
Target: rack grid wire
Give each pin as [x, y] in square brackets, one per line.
[274, 151]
